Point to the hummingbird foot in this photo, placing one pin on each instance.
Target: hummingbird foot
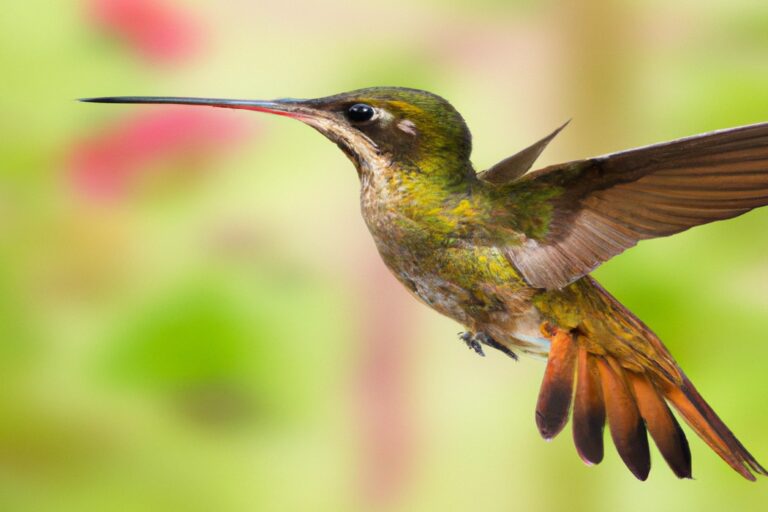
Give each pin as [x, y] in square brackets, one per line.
[475, 341]
[472, 342]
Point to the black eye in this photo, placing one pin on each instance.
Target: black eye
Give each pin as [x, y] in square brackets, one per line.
[360, 112]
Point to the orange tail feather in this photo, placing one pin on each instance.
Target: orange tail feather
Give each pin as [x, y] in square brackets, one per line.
[663, 427]
[703, 420]
[557, 387]
[626, 425]
[588, 410]
[632, 402]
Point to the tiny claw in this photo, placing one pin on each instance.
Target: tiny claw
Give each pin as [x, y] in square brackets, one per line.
[475, 341]
[472, 342]
[487, 340]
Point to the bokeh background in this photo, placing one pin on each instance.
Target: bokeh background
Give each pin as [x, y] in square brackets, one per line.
[193, 316]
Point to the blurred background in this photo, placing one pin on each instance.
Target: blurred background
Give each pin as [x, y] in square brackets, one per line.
[192, 313]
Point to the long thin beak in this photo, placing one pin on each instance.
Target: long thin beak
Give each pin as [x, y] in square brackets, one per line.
[283, 107]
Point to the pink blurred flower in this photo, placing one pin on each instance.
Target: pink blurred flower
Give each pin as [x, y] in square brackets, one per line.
[107, 165]
[386, 415]
[156, 30]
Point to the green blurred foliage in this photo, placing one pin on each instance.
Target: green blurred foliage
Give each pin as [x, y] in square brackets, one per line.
[206, 339]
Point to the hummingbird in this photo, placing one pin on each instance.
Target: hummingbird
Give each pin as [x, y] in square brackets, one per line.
[507, 253]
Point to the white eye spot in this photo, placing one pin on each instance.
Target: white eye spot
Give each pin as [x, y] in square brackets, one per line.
[407, 126]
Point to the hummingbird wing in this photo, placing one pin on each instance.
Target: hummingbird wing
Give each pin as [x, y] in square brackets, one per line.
[601, 206]
[518, 164]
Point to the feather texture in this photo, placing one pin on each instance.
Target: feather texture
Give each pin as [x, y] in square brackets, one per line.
[633, 398]
[607, 204]
[708, 425]
[588, 410]
[556, 391]
[518, 164]
[663, 427]
[626, 425]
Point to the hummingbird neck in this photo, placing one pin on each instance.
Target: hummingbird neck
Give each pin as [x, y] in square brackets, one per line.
[404, 177]
[424, 196]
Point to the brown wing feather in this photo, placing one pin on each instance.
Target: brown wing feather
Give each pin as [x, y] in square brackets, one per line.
[518, 164]
[610, 203]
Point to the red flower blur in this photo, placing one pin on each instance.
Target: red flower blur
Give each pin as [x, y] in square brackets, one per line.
[386, 414]
[156, 30]
[107, 165]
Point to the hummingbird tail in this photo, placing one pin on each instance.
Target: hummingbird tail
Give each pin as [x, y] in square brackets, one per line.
[603, 388]
[631, 383]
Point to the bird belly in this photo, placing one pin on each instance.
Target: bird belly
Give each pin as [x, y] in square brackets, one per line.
[521, 332]
[509, 322]
[440, 294]
[476, 287]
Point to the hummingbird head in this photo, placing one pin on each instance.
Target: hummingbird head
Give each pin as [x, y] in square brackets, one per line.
[406, 126]
[415, 129]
